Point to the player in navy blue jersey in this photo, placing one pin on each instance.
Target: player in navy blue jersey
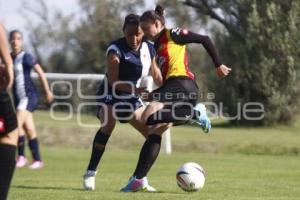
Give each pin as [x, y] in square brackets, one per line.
[129, 60]
[8, 120]
[26, 98]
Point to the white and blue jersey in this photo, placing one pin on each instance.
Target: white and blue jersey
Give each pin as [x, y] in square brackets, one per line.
[133, 67]
[25, 93]
[133, 64]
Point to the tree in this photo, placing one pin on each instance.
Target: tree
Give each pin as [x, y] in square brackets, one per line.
[78, 46]
[260, 41]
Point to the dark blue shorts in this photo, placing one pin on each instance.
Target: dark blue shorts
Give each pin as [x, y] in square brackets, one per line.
[29, 103]
[125, 103]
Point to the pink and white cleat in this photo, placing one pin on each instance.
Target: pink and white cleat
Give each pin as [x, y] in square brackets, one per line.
[138, 185]
[36, 164]
[21, 162]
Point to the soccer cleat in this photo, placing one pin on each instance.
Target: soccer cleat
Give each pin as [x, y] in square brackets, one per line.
[21, 162]
[148, 188]
[36, 164]
[89, 180]
[138, 185]
[201, 118]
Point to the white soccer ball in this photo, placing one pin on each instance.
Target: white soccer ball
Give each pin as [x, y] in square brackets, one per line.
[190, 177]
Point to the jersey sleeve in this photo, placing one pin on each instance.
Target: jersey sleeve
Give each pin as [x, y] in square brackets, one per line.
[184, 36]
[29, 60]
[151, 49]
[113, 48]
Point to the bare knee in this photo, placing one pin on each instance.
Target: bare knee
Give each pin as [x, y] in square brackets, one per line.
[108, 127]
[30, 130]
[31, 133]
[159, 128]
[150, 110]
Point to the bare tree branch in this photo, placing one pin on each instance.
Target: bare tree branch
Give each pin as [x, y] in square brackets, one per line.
[203, 7]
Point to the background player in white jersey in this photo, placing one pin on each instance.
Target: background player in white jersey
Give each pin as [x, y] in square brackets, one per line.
[26, 98]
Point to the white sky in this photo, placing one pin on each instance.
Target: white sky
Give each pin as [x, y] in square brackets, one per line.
[12, 19]
[10, 12]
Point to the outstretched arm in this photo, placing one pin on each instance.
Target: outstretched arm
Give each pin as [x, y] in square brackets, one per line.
[183, 36]
[6, 59]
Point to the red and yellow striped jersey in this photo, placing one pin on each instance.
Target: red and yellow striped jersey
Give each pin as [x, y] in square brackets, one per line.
[171, 56]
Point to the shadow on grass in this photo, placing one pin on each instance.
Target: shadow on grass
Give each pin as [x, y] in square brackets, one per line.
[80, 189]
[45, 188]
[156, 192]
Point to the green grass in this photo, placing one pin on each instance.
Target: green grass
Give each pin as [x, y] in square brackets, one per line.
[279, 140]
[228, 177]
[241, 163]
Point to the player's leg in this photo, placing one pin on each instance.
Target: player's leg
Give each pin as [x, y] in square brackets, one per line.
[8, 142]
[176, 113]
[108, 123]
[180, 114]
[200, 117]
[150, 150]
[179, 99]
[150, 109]
[21, 159]
[101, 138]
[147, 157]
[138, 124]
[166, 101]
[33, 142]
[7, 161]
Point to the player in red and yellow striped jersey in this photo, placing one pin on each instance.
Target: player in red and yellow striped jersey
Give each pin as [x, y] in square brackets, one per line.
[178, 81]
[175, 101]
[172, 57]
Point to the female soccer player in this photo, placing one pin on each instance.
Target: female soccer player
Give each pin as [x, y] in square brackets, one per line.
[129, 60]
[26, 99]
[8, 120]
[176, 99]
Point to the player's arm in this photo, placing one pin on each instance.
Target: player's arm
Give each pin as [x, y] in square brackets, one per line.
[43, 79]
[156, 73]
[6, 58]
[113, 62]
[183, 36]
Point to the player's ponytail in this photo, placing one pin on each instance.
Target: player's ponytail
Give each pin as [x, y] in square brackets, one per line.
[152, 15]
[159, 10]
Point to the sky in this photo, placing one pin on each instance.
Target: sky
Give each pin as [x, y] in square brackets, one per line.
[11, 17]
[10, 11]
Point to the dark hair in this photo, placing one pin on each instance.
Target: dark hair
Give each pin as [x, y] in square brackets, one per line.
[11, 33]
[152, 15]
[131, 19]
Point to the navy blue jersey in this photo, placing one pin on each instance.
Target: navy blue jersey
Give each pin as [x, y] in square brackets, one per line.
[133, 64]
[25, 93]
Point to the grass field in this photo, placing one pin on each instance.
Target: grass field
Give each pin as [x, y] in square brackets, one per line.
[241, 163]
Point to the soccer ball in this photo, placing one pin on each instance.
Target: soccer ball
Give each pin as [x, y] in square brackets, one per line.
[190, 177]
